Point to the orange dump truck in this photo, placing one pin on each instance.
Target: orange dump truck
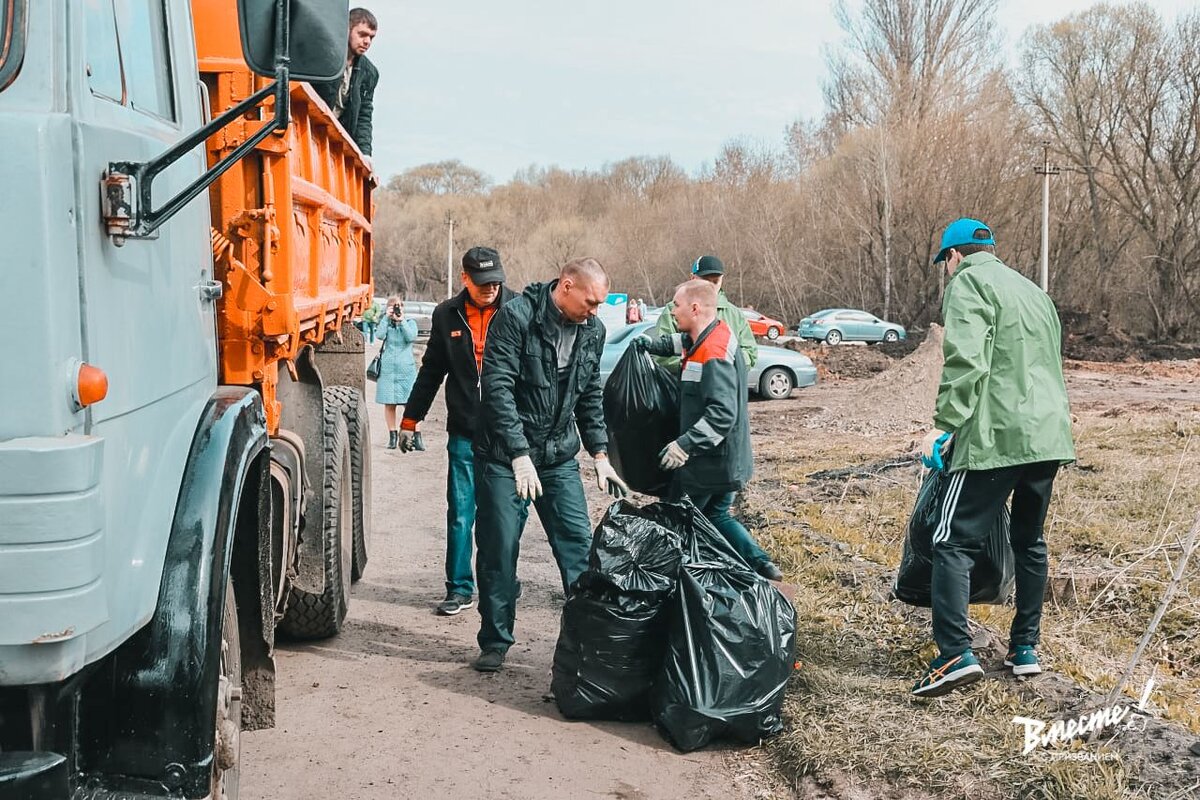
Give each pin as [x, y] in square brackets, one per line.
[184, 456]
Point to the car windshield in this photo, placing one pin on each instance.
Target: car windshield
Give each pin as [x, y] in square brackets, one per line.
[12, 39]
[626, 332]
[822, 313]
[751, 314]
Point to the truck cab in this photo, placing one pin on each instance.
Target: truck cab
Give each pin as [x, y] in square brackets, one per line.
[176, 474]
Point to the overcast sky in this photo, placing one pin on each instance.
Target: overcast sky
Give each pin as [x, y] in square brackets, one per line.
[502, 85]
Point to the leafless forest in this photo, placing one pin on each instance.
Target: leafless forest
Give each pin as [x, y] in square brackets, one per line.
[926, 118]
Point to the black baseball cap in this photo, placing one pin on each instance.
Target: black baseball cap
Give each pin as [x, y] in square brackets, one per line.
[483, 265]
[707, 265]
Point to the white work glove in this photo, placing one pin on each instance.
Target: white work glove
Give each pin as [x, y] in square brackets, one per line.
[410, 441]
[933, 446]
[608, 480]
[525, 473]
[672, 456]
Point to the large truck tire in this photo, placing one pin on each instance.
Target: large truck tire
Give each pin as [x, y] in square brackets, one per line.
[228, 749]
[354, 407]
[317, 616]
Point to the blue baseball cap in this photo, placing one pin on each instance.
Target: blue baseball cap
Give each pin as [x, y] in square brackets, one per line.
[963, 231]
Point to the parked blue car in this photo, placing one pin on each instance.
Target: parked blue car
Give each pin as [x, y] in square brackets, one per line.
[837, 325]
[776, 373]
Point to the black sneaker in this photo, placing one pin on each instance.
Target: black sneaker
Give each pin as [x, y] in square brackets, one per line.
[769, 571]
[455, 604]
[488, 661]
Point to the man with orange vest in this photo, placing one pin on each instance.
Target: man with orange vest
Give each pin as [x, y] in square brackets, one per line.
[712, 455]
[455, 354]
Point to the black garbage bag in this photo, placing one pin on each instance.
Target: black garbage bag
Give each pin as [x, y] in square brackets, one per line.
[641, 408]
[613, 635]
[730, 650]
[994, 574]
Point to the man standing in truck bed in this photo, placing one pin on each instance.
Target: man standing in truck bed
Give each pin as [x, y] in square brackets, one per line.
[352, 96]
[455, 353]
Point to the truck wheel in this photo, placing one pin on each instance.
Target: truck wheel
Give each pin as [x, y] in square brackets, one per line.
[228, 747]
[354, 408]
[316, 616]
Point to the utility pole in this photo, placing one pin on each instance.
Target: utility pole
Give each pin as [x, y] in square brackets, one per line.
[449, 256]
[1046, 170]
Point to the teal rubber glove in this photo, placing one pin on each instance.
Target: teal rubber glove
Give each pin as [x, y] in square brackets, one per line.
[933, 448]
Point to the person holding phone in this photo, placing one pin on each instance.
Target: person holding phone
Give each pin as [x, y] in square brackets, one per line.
[397, 367]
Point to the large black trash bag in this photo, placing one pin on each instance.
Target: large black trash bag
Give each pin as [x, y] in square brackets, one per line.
[613, 636]
[994, 574]
[641, 408]
[730, 652]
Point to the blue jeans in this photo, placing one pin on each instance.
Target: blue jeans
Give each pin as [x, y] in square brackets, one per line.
[460, 516]
[562, 508]
[715, 507]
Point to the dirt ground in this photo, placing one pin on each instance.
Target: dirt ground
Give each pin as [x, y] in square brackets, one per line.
[835, 478]
[390, 709]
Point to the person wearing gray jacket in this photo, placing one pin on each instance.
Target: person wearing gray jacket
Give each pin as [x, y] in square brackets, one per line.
[712, 458]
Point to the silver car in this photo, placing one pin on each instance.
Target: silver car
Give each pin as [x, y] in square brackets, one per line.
[422, 312]
[776, 373]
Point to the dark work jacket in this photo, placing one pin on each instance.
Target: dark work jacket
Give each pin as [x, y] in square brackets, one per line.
[523, 413]
[360, 101]
[451, 355]
[714, 419]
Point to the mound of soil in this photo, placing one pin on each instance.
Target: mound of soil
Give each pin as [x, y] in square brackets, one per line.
[899, 399]
[843, 361]
[1089, 337]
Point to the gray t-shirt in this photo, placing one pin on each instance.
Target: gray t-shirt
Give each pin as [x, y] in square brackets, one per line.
[567, 333]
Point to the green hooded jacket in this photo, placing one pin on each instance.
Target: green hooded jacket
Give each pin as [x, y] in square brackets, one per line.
[727, 311]
[1002, 392]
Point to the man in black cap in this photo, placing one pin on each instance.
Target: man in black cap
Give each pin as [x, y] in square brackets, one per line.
[455, 352]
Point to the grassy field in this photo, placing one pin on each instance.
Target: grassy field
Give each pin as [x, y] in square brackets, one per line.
[1114, 533]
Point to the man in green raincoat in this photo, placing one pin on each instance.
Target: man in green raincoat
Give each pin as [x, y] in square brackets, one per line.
[1003, 423]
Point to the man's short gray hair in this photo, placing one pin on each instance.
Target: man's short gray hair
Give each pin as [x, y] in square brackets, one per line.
[584, 270]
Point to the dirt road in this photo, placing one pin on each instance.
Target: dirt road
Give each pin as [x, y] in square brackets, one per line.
[391, 709]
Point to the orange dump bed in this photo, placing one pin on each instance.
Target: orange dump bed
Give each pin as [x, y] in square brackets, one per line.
[291, 222]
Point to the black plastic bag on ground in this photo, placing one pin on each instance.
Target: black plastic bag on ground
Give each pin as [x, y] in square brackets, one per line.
[641, 408]
[613, 635]
[994, 574]
[731, 648]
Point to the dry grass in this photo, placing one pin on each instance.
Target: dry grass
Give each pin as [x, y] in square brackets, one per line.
[1114, 524]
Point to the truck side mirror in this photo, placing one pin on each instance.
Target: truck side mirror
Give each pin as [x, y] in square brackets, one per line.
[314, 37]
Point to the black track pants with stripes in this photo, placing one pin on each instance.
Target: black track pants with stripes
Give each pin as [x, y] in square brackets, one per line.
[970, 503]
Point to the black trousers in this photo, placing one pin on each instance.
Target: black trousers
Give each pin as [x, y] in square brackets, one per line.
[970, 503]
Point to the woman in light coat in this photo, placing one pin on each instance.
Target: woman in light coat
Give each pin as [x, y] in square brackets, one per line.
[397, 367]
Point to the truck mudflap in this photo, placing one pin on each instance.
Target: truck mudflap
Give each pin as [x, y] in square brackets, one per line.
[153, 729]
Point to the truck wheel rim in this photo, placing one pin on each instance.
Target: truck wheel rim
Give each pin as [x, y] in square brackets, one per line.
[226, 766]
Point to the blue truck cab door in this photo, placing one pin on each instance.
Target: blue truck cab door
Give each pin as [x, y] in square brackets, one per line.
[88, 494]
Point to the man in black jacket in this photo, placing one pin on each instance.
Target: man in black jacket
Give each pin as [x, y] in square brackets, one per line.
[352, 96]
[541, 395]
[455, 353]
